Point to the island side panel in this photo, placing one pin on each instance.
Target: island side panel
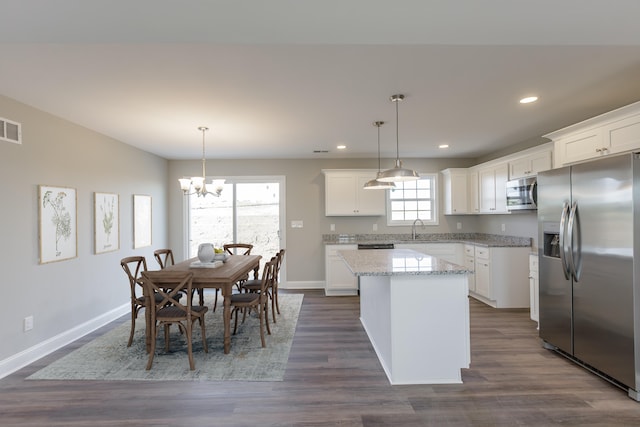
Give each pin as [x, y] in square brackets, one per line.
[375, 316]
[430, 329]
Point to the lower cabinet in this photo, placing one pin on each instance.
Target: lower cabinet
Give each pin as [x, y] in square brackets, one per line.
[470, 264]
[501, 279]
[338, 278]
[534, 287]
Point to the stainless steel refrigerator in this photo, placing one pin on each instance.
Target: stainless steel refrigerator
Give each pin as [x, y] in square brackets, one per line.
[588, 225]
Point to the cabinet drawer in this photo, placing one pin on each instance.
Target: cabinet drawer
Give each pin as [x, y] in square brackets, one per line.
[482, 253]
[469, 250]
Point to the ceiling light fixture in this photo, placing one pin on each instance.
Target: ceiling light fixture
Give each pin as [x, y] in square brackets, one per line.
[528, 100]
[398, 173]
[376, 184]
[198, 182]
[443, 146]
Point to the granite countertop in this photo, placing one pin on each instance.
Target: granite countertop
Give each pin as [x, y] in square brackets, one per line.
[478, 239]
[397, 262]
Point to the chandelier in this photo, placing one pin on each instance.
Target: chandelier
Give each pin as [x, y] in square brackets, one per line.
[198, 182]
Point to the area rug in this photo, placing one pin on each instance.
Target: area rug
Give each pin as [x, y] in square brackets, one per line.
[108, 357]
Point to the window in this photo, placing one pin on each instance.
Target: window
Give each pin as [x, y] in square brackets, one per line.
[412, 200]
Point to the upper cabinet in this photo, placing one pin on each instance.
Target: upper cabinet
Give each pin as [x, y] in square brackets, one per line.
[455, 191]
[493, 188]
[617, 131]
[345, 194]
[530, 164]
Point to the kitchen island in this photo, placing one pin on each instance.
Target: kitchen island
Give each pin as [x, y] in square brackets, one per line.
[415, 310]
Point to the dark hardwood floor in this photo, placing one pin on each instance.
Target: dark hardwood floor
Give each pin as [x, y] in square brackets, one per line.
[334, 379]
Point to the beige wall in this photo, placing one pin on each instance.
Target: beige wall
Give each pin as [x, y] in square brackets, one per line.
[305, 201]
[63, 295]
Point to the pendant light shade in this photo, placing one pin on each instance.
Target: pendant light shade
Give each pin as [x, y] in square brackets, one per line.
[375, 184]
[398, 173]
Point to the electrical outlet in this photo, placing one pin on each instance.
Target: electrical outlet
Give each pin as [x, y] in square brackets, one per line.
[459, 226]
[375, 227]
[332, 227]
[28, 323]
[504, 227]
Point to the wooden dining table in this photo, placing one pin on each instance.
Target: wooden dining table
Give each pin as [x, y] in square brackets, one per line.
[224, 278]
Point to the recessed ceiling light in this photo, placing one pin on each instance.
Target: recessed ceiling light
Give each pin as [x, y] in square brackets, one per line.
[528, 99]
[443, 146]
[341, 147]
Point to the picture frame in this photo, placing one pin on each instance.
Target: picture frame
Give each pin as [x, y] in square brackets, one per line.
[106, 211]
[57, 223]
[141, 221]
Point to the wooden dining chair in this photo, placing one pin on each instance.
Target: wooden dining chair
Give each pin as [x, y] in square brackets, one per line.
[254, 285]
[133, 266]
[248, 301]
[168, 285]
[235, 249]
[164, 257]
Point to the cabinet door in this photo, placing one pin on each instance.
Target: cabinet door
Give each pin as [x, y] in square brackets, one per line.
[469, 263]
[474, 193]
[530, 165]
[340, 198]
[483, 277]
[487, 190]
[369, 202]
[533, 287]
[339, 279]
[581, 146]
[457, 194]
[501, 175]
[623, 135]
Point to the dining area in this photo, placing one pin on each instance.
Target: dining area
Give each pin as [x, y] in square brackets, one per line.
[185, 294]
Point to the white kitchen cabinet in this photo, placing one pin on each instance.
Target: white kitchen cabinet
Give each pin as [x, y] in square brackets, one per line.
[501, 278]
[623, 135]
[615, 132]
[455, 191]
[493, 193]
[339, 280]
[534, 287]
[530, 164]
[470, 264]
[580, 146]
[473, 191]
[345, 194]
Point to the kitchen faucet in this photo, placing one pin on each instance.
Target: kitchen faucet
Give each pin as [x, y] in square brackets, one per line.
[413, 228]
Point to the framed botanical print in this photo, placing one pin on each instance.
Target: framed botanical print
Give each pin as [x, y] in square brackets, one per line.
[106, 211]
[141, 221]
[57, 223]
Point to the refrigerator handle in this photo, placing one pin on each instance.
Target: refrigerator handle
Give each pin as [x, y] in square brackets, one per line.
[564, 249]
[575, 242]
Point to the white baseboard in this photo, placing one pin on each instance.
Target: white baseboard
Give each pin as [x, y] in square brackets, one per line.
[302, 285]
[30, 355]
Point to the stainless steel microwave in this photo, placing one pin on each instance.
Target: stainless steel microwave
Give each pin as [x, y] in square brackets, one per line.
[522, 194]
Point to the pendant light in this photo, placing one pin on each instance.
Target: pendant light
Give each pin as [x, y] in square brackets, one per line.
[198, 182]
[376, 184]
[398, 173]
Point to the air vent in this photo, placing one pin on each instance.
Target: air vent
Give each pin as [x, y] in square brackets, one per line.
[320, 151]
[10, 131]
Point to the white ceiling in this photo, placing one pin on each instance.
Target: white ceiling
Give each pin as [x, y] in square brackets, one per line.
[282, 78]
